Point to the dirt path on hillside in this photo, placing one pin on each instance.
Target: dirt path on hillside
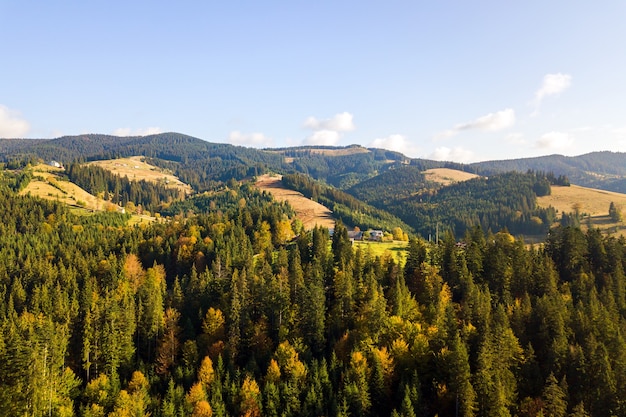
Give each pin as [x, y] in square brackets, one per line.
[308, 211]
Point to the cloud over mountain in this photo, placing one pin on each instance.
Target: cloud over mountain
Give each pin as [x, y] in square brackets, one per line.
[488, 123]
[12, 125]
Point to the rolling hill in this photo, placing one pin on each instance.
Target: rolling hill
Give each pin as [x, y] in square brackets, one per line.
[376, 187]
[602, 170]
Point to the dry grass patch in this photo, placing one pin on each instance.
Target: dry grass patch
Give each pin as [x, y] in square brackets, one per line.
[339, 152]
[351, 150]
[136, 169]
[447, 176]
[308, 211]
[592, 202]
[47, 184]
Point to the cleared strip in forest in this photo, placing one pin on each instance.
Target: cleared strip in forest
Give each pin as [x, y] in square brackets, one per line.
[308, 211]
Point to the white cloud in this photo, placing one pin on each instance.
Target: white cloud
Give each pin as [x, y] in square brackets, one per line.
[341, 122]
[398, 143]
[324, 138]
[256, 140]
[456, 154]
[553, 84]
[127, 131]
[11, 124]
[489, 123]
[554, 140]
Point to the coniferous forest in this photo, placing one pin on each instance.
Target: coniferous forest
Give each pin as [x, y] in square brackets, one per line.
[238, 311]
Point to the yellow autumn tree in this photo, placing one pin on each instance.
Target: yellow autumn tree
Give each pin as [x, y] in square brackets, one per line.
[273, 372]
[202, 409]
[213, 325]
[206, 374]
[250, 398]
[289, 362]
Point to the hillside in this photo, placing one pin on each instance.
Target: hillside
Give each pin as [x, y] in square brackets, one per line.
[447, 176]
[47, 183]
[591, 201]
[219, 313]
[602, 170]
[308, 211]
[137, 169]
[228, 307]
[373, 187]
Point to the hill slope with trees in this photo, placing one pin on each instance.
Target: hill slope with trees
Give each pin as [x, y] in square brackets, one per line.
[218, 314]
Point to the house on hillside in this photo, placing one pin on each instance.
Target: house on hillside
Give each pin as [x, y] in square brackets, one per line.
[376, 235]
[355, 235]
[54, 164]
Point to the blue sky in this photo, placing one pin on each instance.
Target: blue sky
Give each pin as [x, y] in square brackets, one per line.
[450, 80]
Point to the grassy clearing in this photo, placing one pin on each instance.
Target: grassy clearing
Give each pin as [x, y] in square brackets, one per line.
[140, 219]
[592, 202]
[593, 205]
[447, 176]
[308, 211]
[47, 183]
[396, 248]
[136, 169]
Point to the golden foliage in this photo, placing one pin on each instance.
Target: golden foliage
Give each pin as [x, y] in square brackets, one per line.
[202, 409]
[273, 372]
[206, 374]
[250, 398]
[196, 394]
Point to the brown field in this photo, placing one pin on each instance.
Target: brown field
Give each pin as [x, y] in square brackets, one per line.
[136, 170]
[447, 176]
[340, 152]
[328, 152]
[46, 184]
[592, 202]
[307, 210]
[594, 206]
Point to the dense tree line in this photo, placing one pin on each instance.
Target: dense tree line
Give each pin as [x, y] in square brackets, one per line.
[344, 206]
[393, 185]
[499, 201]
[223, 314]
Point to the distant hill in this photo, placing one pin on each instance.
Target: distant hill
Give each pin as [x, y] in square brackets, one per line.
[362, 186]
[602, 170]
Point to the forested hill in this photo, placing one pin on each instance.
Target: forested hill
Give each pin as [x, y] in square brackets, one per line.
[201, 163]
[603, 170]
[167, 146]
[217, 315]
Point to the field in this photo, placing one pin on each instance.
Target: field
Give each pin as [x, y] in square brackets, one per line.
[351, 150]
[447, 176]
[592, 202]
[46, 183]
[308, 211]
[396, 248]
[593, 205]
[136, 170]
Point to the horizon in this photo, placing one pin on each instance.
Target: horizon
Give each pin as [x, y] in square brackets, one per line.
[321, 146]
[446, 81]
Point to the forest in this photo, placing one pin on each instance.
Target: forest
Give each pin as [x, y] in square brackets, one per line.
[237, 311]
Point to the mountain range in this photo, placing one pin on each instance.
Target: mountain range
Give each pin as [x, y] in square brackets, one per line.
[339, 166]
[363, 186]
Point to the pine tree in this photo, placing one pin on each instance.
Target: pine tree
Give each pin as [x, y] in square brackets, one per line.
[554, 398]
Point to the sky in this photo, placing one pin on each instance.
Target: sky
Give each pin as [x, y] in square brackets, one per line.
[462, 81]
